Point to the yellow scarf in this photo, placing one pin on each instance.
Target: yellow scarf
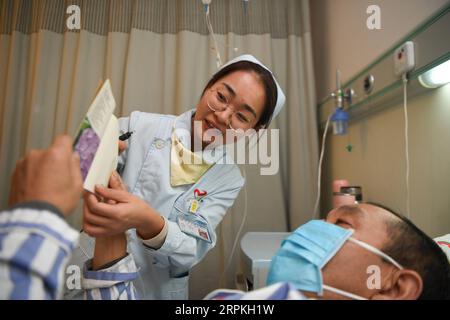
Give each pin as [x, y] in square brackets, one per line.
[186, 167]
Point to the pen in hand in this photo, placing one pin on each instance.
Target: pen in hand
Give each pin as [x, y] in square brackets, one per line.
[126, 136]
[123, 137]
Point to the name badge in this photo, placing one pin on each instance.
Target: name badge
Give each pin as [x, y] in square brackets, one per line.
[195, 226]
[193, 206]
[195, 202]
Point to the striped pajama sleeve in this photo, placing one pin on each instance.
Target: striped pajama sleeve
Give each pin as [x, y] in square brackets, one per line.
[113, 283]
[35, 245]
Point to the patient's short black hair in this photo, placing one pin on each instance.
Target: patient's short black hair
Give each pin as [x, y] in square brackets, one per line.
[414, 250]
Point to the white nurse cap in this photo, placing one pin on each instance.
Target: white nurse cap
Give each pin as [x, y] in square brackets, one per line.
[281, 98]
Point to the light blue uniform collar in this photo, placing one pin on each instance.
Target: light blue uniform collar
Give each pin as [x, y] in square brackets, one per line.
[184, 122]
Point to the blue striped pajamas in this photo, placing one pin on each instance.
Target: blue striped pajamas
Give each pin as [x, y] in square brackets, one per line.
[35, 246]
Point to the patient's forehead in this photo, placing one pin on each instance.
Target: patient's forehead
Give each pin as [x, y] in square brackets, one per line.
[376, 212]
[369, 222]
[365, 212]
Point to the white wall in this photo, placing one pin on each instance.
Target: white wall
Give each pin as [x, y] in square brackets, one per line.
[377, 162]
[342, 40]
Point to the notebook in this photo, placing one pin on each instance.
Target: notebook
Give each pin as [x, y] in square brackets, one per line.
[97, 140]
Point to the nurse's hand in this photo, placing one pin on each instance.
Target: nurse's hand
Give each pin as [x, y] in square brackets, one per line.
[124, 211]
[110, 248]
[122, 146]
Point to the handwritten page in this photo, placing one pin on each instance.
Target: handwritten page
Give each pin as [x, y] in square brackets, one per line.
[97, 141]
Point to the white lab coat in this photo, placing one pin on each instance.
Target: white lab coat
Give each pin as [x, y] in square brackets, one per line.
[164, 273]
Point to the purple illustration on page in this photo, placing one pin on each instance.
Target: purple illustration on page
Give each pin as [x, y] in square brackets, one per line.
[86, 145]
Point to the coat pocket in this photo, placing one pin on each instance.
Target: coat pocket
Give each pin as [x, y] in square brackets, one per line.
[178, 288]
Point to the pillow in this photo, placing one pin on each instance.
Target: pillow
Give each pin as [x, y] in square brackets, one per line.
[444, 243]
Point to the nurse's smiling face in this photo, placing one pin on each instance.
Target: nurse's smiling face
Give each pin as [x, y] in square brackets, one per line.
[235, 101]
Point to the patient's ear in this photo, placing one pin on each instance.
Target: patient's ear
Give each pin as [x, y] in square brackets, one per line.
[405, 285]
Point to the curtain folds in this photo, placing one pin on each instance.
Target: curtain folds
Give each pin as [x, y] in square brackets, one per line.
[277, 18]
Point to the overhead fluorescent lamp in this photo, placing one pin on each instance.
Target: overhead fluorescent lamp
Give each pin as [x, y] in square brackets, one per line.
[436, 77]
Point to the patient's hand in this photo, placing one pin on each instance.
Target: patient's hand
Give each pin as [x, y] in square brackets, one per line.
[52, 175]
[109, 248]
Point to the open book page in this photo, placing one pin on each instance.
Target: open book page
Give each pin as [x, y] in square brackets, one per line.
[106, 158]
[97, 140]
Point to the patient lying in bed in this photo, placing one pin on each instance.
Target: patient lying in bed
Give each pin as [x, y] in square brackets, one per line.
[395, 261]
[380, 255]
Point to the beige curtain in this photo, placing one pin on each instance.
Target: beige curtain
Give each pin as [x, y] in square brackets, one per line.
[158, 56]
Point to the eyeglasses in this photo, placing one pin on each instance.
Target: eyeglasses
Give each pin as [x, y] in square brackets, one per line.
[219, 101]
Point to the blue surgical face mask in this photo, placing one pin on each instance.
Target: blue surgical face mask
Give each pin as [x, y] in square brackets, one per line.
[307, 250]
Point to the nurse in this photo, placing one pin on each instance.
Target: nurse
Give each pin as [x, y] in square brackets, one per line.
[172, 208]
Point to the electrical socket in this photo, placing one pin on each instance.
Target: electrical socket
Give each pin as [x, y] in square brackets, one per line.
[404, 59]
